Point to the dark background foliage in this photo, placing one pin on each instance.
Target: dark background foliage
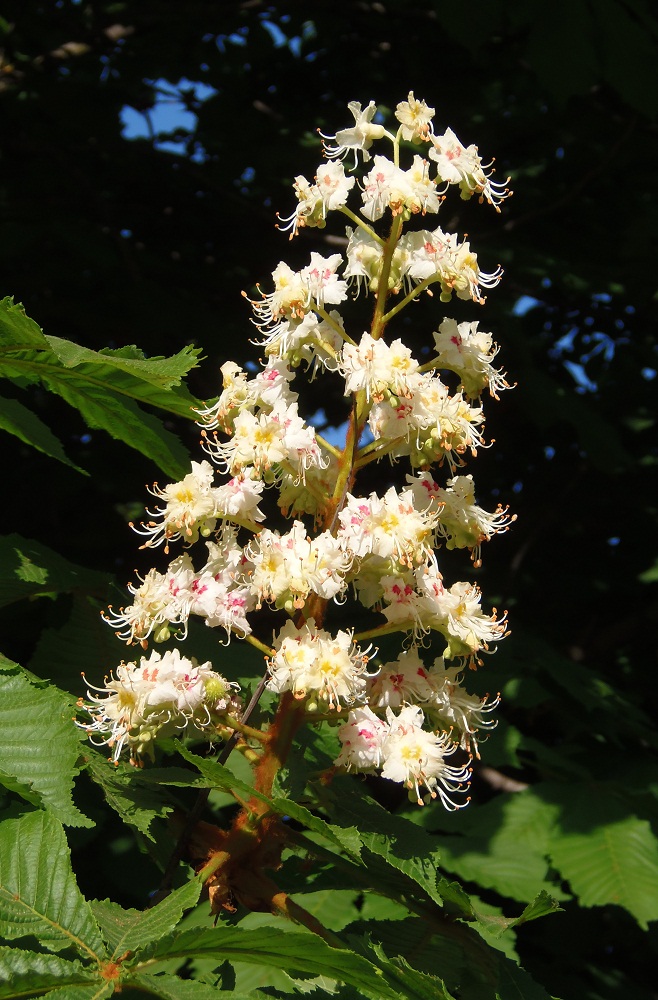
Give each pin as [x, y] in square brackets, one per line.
[110, 240]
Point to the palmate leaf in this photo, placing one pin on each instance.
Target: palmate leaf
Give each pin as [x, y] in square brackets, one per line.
[39, 745]
[295, 953]
[454, 952]
[400, 845]
[130, 930]
[159, 371]
[504, 845]
[23, 973]
[122, 418]
[39, 896]
[96, 991]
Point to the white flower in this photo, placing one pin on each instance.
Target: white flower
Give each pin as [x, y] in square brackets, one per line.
[359, 138]
[469, 352]
[333, 185]
[449, 706]
[461, 165]
[439, 256]
[376, 366]
[402, 681]
[456, 613]
[311, 340]
[385, 186]
[390, 527]
[415, 118]
[424, 196]
[465, 525]
[414, 757]
[311, 662]
[153, 609]
[156, 698]
[190, 509]
[329, 192]
[447, 425]
[239, 497]
[286, 568]
[322, 282]
[362, 738]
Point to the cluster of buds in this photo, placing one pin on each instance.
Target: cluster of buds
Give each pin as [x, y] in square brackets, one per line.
[402, 719]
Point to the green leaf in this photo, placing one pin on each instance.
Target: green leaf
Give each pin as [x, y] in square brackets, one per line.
[503, 845]
[402, 846]
[25, 972]
[172, 988]
[413, 984]
[218, 776]
[38, 892]
[96, 991]
[159, 371]
[137, 805]
[105, 386]
[467, 964]
[18, 420]
[123, 419]
[298, 953]
[542, 905]
[82, 643]
[129, 930]
[16, 329]
[30, 569]
[611, 860]
[39, 744]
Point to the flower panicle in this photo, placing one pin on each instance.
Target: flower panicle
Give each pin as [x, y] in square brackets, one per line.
[275, 505]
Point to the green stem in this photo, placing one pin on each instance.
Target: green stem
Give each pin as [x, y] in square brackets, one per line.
[287, 907]
[429, 365]
[374, 633]
[379, 319]
[257, 644]
[336, 327]
[336, 452]
[361, 224]
[413, 294]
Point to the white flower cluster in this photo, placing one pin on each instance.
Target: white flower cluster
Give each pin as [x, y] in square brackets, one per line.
[158, 697]
[403, 720]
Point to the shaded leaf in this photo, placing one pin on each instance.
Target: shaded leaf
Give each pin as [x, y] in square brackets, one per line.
[136, 804]
[503, 845]
[293, 952]
[17, 419]
[29, 569]
[172, 988]
[219, 776]
[129, 930]
[404, 847]
[613, 862]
